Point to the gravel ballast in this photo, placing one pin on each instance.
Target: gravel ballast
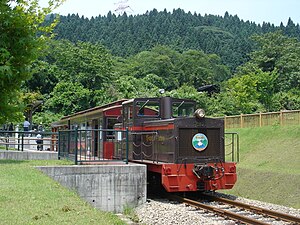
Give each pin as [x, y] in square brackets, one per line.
[162, 211]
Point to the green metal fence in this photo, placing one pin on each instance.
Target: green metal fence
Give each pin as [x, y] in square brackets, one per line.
[93, 145]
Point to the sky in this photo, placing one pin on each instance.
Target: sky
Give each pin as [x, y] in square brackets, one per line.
[273, 11]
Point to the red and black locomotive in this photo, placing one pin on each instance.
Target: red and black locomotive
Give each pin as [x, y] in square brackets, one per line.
[183, 149]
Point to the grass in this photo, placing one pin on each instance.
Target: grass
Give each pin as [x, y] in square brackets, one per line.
[130, 213]
[27, 196]
[269, 167]
[3, 147]
[269, 170]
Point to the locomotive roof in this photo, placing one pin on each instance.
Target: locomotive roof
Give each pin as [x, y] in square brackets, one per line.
[156, 98]
[96, 109]
[119, 102]
[102, 108]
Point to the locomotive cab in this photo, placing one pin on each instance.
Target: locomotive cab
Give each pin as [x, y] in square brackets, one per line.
[137, 111]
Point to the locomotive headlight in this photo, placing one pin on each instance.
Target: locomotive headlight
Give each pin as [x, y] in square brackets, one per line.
[200, 113]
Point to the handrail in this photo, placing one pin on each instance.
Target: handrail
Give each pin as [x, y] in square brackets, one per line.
[18, 140]
[233, 145]
[92, 145]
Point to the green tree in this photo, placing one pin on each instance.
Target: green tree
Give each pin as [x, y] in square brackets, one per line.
[85, 65]
[244, 92]
[89, 64]
[222, 104]
[227, 37]
[20, 22]
[170, 69]
[189, 92]
[197, 68]
[131, 87]
[274, 70]
[280, 53]
[68, 98]
[286, 100]
[44, 77]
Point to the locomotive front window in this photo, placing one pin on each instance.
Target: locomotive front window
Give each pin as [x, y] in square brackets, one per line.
[183, 109]
[147, 108]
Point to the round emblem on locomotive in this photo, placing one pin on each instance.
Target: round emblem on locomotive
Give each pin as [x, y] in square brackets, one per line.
[200, 142]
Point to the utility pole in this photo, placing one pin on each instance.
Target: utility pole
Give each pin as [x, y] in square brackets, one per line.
[123, 7]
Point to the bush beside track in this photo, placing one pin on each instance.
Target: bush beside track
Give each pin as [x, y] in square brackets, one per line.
[269, 168]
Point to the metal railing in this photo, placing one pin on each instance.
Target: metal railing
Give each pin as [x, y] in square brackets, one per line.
[93, 145]
[87, 146]
[108, 145]
[232, 146]
[27, 140]
[145, 145]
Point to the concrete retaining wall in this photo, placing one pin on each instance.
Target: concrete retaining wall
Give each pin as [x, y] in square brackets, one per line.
[28, 155]
[106, 187]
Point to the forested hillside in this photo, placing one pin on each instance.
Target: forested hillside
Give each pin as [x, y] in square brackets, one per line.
[255, 68]
[252, 67]
[124, 35]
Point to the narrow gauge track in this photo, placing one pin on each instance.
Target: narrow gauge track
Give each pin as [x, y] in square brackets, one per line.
[240, 218]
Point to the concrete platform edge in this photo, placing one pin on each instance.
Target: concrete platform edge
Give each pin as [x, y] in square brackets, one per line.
[28, 155]
[106, 187]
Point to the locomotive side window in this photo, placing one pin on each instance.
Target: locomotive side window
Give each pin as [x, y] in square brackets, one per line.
[147, 108]
[183, 109]
[110, 125]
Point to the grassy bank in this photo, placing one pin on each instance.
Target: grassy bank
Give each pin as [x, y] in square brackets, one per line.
[269, 168]
[27, 196]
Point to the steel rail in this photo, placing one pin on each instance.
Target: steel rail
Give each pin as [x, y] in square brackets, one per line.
[221, 212]
[259, 210]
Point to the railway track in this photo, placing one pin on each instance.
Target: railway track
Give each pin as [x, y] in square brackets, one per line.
[237, 211]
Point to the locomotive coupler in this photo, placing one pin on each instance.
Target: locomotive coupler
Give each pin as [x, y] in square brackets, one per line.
[203, 171]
